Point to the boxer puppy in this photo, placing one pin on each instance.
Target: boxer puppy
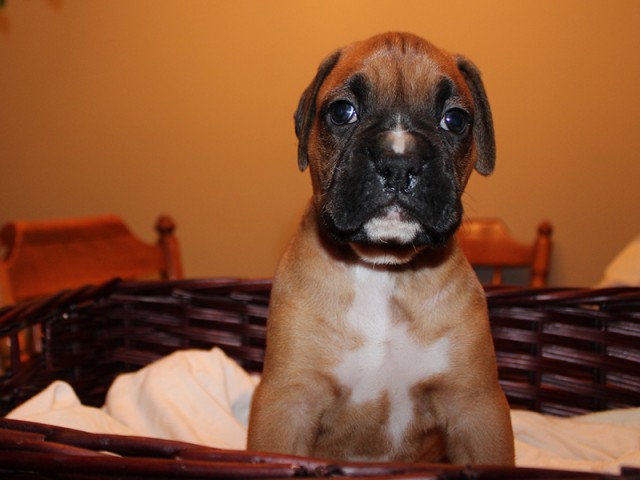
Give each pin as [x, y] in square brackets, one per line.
[378, 342]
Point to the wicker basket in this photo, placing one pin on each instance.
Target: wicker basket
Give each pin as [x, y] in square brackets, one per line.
[560, 351]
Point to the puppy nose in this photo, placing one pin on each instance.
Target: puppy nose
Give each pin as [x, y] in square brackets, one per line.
[398, 173]
[396, 161]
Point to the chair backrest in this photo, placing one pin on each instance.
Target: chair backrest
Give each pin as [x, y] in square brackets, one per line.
[44, 257]
[488, 244]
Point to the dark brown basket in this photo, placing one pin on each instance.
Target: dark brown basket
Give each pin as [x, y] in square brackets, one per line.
[561, 351]
[568, 351]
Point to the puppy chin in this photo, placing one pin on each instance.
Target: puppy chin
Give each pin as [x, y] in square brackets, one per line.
[392, 227]
[390, 239]
[382, 254]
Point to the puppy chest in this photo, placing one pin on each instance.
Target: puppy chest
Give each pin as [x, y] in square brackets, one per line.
[389, 360]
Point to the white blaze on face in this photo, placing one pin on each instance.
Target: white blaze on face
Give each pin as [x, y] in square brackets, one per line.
[390, 360]
[399, 139]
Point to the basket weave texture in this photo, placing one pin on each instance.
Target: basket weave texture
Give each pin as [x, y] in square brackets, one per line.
[560, 351]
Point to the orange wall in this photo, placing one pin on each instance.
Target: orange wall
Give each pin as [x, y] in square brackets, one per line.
[148, 106]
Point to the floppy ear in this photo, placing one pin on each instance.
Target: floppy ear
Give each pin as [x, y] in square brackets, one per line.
[307, 109]
[483, 122]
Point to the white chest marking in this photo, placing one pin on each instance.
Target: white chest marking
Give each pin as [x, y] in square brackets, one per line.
[390, 360]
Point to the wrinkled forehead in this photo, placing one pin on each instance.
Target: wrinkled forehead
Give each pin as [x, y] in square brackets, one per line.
[410, 67]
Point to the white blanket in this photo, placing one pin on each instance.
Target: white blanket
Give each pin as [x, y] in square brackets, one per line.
[204, 397]
[624, 269]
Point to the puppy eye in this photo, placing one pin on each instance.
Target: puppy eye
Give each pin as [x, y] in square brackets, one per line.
[342, 112]
[455, 121]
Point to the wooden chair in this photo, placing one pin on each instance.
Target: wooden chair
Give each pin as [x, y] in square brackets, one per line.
[488, 244]
[44, 257]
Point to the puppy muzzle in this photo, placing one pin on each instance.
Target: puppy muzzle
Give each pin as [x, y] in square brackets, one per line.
[396, 189]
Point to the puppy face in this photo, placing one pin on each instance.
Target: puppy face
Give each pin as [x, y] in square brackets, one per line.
[391, 129]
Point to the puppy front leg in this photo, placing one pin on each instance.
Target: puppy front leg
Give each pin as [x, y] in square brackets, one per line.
[480, 433]
[285, 417]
